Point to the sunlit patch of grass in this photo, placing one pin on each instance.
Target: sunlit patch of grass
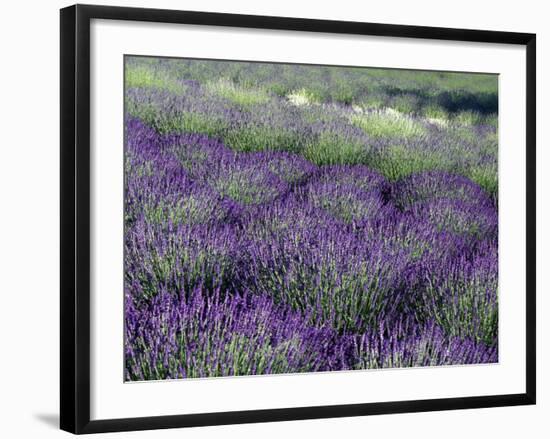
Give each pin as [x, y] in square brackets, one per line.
[142, 76]
[436, 115]
[389, 123]
[243, 96]
[303, 97]
[333, 149]
[469, 118]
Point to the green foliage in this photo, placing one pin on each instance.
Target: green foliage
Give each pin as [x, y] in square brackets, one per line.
[304, 97]
[405, 103]
[253, 138]
[332, 149]
[491, 119]
[242, 187]
[469, 118]
[343, 93]
[367, 87]
[176, 122]
[242, 355]
[372, 102]
[345, 206]
[473, 313]
[435, 112]
[278, 89]
[398, 161]
[144, 76]
[388, 124]
[383, 101]
[192, 261]
[487, 177]
[188, 210]
[238, 94]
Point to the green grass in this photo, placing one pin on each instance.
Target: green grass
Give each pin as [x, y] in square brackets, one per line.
[262, 138]
[242, 96]
[398, 161]
[332, 149]
[384, 101]
[434, 111]
[166, 123]
[144, 76]
[487, 177]
[468, 118]
[408, 89]
[406, 104]
[388, 124]
[303, 97]
[371, 102]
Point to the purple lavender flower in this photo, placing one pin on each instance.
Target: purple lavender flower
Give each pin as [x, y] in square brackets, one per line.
[346, 203]
[344, 281]
[279, 219]
[461, 296]
[244, 180]
[408, 344]
[358, 176]
[471, 221]
[178, 257]
[204, 334]
[289, 167]
[435, 185]
[196, 152]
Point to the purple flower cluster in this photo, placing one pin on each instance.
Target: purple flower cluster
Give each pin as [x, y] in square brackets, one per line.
[206, 333]
[261, 262]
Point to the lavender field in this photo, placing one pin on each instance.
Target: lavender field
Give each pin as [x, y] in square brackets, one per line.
[291, 218]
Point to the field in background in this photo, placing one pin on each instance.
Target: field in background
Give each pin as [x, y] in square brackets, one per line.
[290, 218]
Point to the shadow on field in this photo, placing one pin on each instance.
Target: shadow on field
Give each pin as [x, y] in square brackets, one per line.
[451, 100]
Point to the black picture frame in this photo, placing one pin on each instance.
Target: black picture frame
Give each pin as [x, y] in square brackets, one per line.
[75, 217]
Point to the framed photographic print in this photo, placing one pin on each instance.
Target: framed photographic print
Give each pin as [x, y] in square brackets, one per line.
[267, 218]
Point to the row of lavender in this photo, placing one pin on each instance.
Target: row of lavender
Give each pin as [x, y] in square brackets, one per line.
[394, 143]
[249, 262]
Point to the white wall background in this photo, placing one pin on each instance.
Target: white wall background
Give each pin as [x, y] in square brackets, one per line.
[29, 248]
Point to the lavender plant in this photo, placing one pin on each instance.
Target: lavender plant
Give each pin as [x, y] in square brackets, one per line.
[413, 345]
[326, 270]
[462, 297]
[285, 218]
[435, 185]
[208, 334]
